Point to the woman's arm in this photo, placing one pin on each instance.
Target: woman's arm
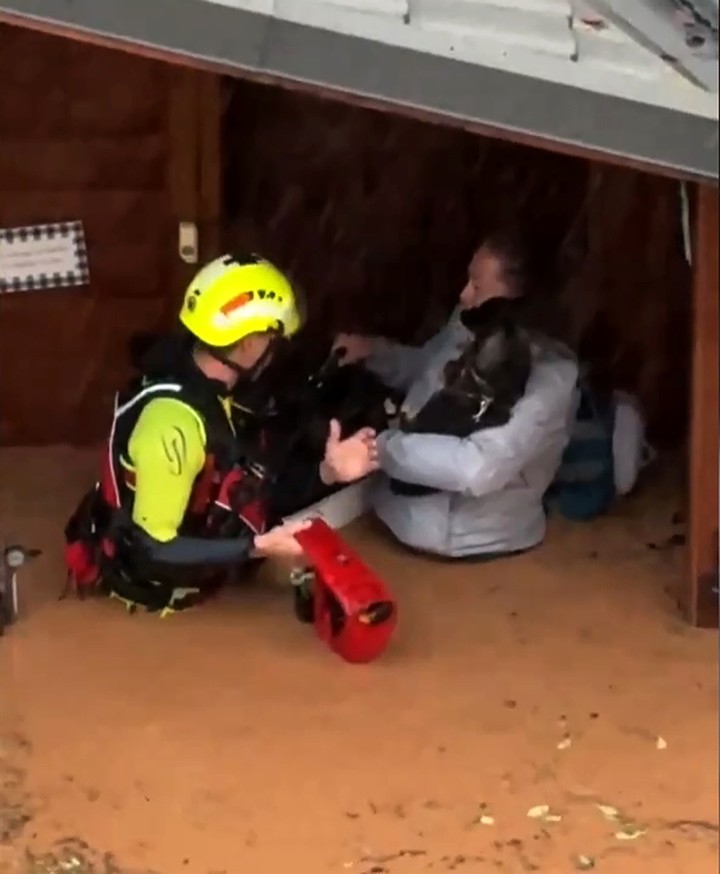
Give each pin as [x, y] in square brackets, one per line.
[398, 365]
[475, 465]
[395, 364]
[488, 460]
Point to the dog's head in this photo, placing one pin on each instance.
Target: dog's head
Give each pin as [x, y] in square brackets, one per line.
[495, 366]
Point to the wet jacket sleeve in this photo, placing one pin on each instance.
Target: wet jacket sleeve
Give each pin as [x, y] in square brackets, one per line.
[395, 364]
[488, 460]
[167, 451]
[398, 365]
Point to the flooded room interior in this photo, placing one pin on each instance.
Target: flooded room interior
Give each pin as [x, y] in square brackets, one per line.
[555, 711]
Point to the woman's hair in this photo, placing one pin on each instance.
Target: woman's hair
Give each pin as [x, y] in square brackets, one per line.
[511, 247]
[529, 260]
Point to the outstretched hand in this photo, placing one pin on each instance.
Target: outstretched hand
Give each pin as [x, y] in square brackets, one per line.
[280, 542]
[350, 459]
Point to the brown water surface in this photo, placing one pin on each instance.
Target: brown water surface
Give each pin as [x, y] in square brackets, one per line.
[228, 741]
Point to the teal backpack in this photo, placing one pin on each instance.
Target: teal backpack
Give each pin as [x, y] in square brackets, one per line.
[584, 485]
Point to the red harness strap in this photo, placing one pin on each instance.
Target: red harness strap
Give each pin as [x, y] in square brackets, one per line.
[202, 492]
[238, 494]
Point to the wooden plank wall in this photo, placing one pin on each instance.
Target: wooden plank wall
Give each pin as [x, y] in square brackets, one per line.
[377, 215]
[700, 598]
[350, 199]
[85, 133]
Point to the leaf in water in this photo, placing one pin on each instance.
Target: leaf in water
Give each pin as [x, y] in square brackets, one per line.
[565, 743]
[584, 863]
[629, 833]
[610, 813]
[661, 743]
[487, 820]
[539, 812]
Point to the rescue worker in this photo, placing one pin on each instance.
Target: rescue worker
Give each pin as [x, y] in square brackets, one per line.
[181, 495]
[489, 487]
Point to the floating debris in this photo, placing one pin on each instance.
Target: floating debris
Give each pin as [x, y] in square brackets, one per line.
[483, 817]
[544, 812]
[661, 743]
[565, 743]
[677, 539]
[630, 833]
[701, 824]
[393, 857]
[583, 862]
[612, 814]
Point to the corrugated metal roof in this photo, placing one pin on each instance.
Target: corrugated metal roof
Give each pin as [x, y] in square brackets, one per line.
[526, 71]
[682, 32]
[566, 41]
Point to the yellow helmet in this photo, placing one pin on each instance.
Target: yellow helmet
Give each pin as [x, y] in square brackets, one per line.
[232, 297]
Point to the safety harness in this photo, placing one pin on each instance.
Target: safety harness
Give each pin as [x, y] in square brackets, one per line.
[104, 550]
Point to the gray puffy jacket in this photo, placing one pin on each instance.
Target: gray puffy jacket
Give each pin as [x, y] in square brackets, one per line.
[492, 483]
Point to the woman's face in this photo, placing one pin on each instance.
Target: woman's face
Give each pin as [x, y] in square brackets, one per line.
[486, 279]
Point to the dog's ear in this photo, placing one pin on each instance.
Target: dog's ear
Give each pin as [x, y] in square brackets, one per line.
[473, 319]
[484, 317]
[491, 314]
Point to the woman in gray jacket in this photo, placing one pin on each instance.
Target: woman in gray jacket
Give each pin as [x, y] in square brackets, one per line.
[490, 485]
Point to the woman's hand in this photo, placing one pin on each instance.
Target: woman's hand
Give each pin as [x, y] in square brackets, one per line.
[280, 542]
[356, 347]
[350, 459]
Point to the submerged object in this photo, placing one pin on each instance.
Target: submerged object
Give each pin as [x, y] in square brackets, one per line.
[13, 558]
[350, 606]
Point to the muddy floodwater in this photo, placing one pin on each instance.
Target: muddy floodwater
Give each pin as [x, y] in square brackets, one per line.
[549, 713]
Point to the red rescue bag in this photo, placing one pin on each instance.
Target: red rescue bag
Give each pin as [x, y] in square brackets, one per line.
[354, 612]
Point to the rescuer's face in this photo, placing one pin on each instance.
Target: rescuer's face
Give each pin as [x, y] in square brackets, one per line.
[252, 351]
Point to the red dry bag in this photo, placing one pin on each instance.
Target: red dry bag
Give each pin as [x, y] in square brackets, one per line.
[354, 613]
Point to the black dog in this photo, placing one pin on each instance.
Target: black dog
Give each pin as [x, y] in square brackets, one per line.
[287, 409]
[481, 387]
[298, 429]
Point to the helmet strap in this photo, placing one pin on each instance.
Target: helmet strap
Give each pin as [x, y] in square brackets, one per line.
[247, 374]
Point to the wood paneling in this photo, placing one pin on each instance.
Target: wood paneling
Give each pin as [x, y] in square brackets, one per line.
[377, 215]
[84, 163]
[90, 133]
[700, 599]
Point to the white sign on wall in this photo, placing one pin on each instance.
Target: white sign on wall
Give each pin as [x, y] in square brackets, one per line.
[43, 256]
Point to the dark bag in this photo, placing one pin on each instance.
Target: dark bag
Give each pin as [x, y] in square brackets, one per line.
[85, 534]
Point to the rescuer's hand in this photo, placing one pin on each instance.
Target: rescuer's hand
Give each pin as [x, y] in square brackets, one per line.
[350, 459]
[280, 542]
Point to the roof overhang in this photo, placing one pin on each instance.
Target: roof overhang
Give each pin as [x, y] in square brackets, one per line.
[497, 101]
[684, 31]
